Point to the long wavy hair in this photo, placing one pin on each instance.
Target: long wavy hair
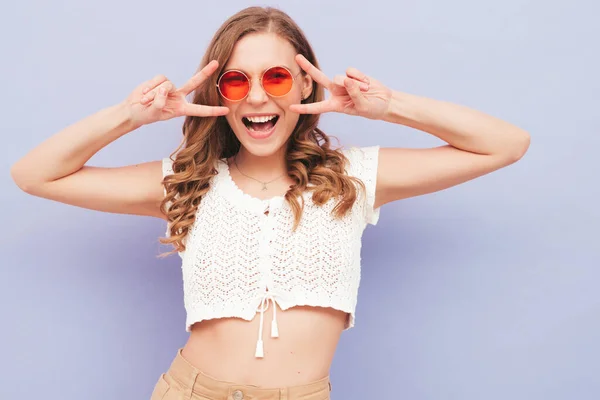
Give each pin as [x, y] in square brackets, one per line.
[311, 162]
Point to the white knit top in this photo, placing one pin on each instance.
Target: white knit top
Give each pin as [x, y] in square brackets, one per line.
[238, 258]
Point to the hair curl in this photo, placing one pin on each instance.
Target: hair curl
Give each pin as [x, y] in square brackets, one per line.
[310, 158]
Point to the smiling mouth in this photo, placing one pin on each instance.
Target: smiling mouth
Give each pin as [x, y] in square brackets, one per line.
[260, 124]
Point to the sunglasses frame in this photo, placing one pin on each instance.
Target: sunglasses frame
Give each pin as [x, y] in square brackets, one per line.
[260, 80]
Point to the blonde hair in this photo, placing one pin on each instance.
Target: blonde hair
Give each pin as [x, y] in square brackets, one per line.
[310, 159]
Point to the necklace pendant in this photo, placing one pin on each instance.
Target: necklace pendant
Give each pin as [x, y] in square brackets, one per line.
[264, 186]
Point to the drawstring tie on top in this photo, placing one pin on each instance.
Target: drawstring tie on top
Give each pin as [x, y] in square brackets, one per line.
[264, 306]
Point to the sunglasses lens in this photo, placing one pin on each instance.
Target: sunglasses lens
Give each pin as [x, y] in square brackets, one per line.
[277, 81]
[234, 85]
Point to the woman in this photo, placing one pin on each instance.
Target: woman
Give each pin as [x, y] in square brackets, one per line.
[266, 216]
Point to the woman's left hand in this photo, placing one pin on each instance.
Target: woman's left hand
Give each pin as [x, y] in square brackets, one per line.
[354, 94]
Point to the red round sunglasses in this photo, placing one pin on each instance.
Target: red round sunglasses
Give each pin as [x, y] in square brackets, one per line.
[234, 85]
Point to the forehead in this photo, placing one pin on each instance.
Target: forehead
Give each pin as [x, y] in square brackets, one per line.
[258, 51]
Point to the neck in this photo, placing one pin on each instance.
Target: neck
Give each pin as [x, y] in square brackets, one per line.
[262, 168]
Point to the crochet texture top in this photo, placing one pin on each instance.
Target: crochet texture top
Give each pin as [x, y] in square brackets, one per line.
[241, 252]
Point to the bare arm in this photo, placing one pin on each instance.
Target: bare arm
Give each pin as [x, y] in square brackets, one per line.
[56, 169]
[477, 145]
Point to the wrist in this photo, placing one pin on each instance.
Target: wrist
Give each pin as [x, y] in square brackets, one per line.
[123, 117]
[401, 108]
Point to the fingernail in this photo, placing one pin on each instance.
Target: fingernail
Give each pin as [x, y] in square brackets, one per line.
[364, 86]
[163, 91]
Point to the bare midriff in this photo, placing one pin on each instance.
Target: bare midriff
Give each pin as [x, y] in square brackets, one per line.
[303, 352]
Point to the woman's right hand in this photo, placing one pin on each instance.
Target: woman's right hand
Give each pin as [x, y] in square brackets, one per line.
[159, 100]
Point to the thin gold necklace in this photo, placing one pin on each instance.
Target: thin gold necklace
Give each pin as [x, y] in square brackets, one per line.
[264, 184]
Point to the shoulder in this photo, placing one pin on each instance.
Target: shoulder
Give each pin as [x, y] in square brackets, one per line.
[363, 164]
[362, 161]
[167, 166]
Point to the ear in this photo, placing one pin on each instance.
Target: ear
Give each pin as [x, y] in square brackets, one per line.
[307, 84]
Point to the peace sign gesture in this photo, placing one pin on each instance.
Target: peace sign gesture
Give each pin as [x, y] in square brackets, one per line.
[354, 94]
[159, 100]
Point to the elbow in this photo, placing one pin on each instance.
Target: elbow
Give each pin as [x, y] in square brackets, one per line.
[518, 146]
[21, 179]
[522, 145]
[16, 175]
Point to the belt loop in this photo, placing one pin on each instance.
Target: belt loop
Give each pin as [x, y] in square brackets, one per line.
[283, 394]
[189, 390]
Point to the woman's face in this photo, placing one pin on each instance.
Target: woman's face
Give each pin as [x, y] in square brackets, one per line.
[253, 54]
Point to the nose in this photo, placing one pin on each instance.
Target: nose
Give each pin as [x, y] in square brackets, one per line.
[257, 94]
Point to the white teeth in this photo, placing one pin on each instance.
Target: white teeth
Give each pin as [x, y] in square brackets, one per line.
[264, 118]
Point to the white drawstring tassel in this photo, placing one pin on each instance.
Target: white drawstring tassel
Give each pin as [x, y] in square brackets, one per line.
[274, 328]
[259, 343]
[259, 349]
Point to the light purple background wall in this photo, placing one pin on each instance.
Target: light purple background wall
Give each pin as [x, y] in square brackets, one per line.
[485, 291]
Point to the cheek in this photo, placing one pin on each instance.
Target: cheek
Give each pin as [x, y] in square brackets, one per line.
[291, 120]
[230, 120]
[230, 117]
[287, 101]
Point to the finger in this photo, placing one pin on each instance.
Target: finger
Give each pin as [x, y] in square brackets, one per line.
[198, 110]
[320, 107]
[313, 71]
[358, 98]
[162, 93]
[147, 98]
[340, 80]
[356, 74]
[160, 100]
[152, 83]
[198, 78]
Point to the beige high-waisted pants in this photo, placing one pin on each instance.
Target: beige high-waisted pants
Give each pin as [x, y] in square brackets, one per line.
[184, 382]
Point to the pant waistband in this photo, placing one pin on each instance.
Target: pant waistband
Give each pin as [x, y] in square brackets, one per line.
[194, 381]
